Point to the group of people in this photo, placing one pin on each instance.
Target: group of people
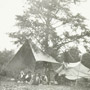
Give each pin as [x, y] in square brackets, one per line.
[33, 79]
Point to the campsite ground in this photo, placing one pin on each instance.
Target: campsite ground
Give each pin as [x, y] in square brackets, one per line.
[17, 86]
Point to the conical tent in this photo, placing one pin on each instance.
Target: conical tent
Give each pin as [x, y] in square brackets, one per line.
[26, 58]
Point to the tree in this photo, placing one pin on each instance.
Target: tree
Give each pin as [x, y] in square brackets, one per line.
[39, 24]
[5, 57]
[86, 59]
[72, 55]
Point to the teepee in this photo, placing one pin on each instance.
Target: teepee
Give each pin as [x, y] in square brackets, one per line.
[28, 57]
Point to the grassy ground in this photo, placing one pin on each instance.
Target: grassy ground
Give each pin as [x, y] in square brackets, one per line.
[16, 86]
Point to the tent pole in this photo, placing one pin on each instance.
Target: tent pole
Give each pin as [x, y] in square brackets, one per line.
[78, 72]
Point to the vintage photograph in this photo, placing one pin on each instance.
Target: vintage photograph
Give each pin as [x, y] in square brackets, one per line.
[44, 45]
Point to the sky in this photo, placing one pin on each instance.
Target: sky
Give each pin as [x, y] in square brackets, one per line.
[10, 8]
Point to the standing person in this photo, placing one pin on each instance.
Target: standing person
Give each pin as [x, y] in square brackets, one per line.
[47, 73]
[48, 68]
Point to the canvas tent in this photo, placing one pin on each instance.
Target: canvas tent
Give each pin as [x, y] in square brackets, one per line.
[28, 57]
[73, 71]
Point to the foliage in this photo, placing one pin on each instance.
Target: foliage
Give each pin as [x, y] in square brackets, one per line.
[5, 56]
[72, 55]
[86, 59]
[41, 20]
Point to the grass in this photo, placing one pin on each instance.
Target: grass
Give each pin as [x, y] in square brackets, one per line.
[16, 86]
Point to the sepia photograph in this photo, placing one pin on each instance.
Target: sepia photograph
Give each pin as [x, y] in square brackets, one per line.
[44, 45]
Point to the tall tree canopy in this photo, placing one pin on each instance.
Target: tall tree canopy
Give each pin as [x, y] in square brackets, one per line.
[43, 18]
